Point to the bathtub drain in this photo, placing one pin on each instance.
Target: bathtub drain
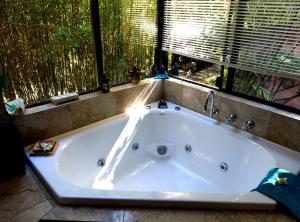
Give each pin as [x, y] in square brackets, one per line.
[162, 150]
[101, 162]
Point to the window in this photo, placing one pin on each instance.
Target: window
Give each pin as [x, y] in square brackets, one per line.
[279, 90]
[128, 30]
[48, 48]
[249, 47]
[195, 70]
[254, 44]
[266, 38]
[267, 42]
[196, 29]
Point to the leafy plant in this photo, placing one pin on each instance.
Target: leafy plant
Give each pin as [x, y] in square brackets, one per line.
[262, 92]
[50, 50]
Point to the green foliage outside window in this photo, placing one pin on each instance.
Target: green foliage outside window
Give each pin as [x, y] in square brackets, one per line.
[48, 48]
[128, 30]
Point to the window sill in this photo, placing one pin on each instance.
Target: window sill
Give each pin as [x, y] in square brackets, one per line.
[50, 106]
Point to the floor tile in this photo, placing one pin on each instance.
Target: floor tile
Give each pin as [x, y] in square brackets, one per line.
[195, 215]
[33, 214]
[85, 214]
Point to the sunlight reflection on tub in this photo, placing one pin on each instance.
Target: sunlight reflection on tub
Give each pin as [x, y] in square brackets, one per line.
[105, 178]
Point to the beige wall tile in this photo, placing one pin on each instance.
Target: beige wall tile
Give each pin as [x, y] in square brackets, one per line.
[47, 121]
[244, 113]
[194, 99]
[189, 95]
[276, 125]
[172, 91]
[44, 124]
[279, 126]
[284, 130]
[154, 91]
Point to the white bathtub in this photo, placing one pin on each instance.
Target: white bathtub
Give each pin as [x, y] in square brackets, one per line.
[206, 163]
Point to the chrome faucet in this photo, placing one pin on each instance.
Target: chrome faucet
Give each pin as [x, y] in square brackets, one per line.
[213, 110]
[231, 119]
[249, 124]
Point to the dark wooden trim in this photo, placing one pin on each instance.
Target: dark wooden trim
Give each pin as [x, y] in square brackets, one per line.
[161, 57]
[196, 83]
[265, 102]
[230, 80]
[95, 17]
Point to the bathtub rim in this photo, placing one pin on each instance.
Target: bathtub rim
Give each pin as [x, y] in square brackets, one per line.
[248, 200]
[160, 200]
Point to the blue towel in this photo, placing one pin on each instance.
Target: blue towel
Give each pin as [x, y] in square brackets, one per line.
[161, 76]
[285, 191]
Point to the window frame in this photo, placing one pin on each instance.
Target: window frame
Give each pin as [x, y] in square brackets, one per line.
[96, 26]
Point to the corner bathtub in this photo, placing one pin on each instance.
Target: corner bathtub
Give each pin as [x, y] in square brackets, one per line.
[162, 157]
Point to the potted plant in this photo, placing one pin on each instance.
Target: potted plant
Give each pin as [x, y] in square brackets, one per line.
[12, 158]
[135, 75]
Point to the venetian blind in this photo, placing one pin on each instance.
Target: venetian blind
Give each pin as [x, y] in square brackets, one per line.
[196, 28]
[267, 37]
[255, 35]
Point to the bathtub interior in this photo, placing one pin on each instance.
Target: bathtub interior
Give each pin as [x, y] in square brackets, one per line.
[76, 161]
[177, 152]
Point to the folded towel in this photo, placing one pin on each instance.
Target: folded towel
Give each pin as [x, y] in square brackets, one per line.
[15, 107]
[284, 187]
[161, 76]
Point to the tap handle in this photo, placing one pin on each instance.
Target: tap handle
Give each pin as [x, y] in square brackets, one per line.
[249, 124]
[231, 118]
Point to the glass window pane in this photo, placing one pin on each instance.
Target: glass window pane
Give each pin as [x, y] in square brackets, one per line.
[266, 38]
[128, 31]
[193, 69]
[197, 29]
[48, 48]
[284, 91]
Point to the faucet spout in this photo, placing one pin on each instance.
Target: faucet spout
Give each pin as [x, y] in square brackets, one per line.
[213, 110]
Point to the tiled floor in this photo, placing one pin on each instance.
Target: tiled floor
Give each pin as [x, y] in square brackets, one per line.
[25, 199]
